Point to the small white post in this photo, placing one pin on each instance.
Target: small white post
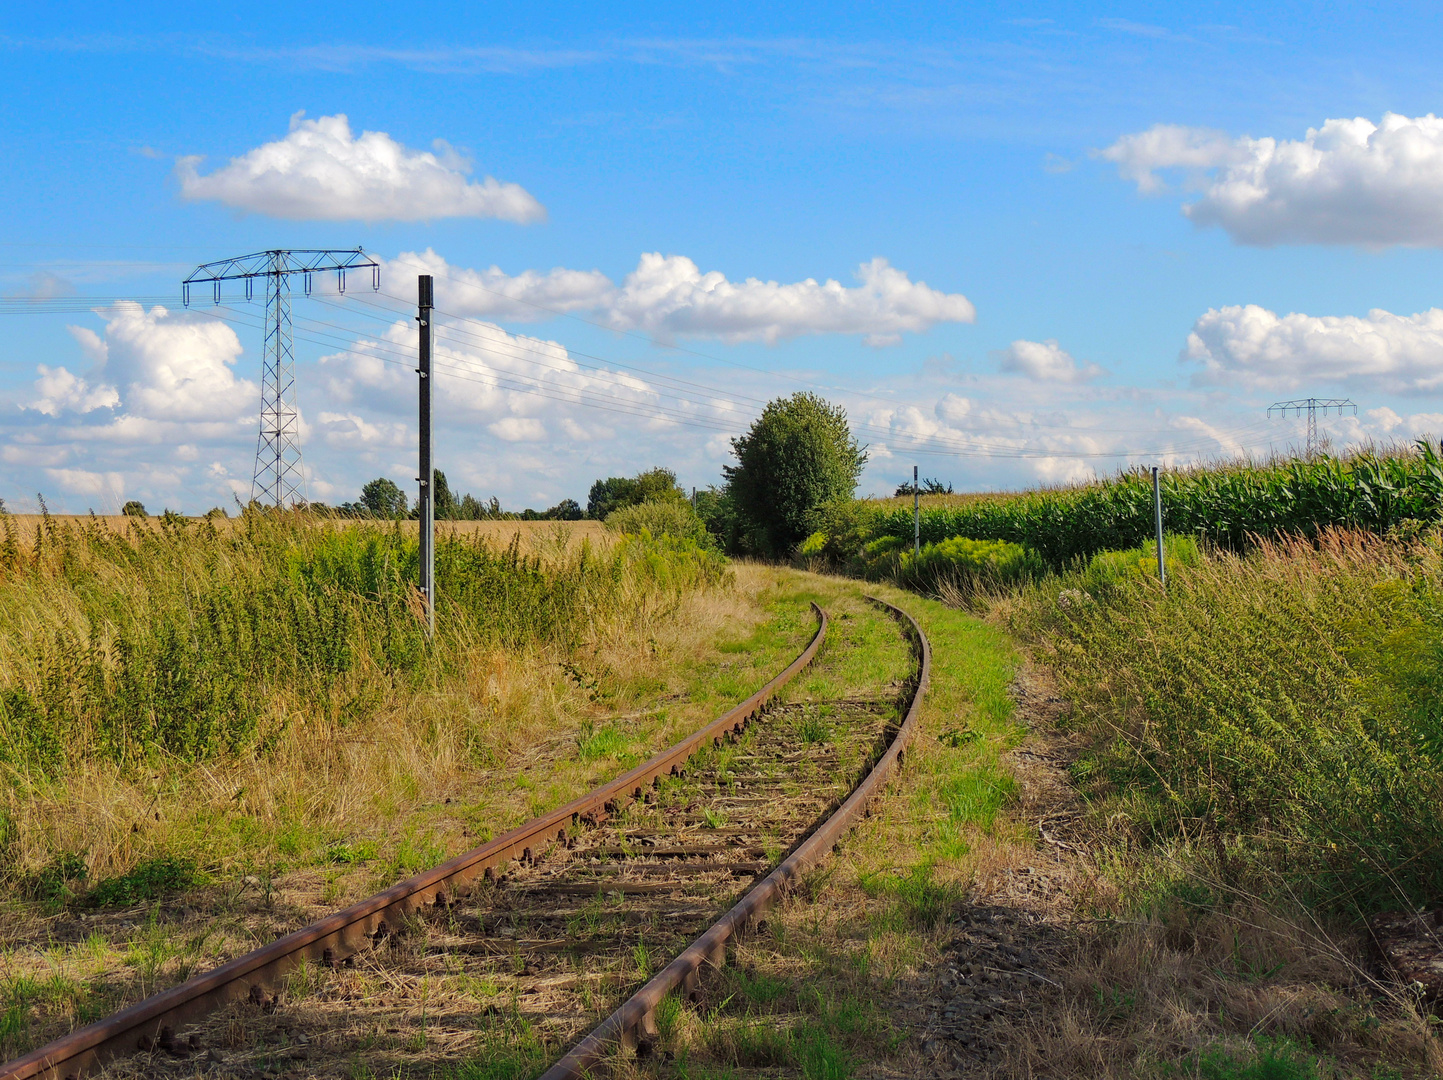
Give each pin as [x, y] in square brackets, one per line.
[1157, 516]
[916, 516]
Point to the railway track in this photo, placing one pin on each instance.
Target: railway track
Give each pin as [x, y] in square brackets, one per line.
[616, 899]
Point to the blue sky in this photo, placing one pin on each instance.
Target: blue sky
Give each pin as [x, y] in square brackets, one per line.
[1030, 164]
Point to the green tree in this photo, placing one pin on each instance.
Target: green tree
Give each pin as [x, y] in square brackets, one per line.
[134, 508]
[473, 509]
[447, 506]
[566, 510]
[618, 492]
[383, 499]
[797, 457]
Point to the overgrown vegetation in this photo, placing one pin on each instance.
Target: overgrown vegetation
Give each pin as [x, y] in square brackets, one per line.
[1278, 714]
[192, 641]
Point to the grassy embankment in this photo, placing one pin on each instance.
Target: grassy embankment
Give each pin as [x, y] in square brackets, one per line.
[1264, 753]
[1263, 770]
[211, 735]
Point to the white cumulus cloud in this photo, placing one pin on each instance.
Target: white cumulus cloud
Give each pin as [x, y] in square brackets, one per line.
[1350, 181]
[60, 391]
[669, 296]
[1252, 346]
[322, 172]
[1169, 146]
[1045, 361]
[172, 366]
[494, 294]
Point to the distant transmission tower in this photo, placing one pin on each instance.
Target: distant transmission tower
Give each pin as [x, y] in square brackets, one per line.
[278, 479]
[1311, 406]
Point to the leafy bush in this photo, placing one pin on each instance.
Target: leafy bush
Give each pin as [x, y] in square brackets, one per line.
[149, 880]
[967, 564]
[1108, 568]
[671, 517]
[813, 546]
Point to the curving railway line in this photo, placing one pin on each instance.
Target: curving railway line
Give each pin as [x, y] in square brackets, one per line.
[626, 894]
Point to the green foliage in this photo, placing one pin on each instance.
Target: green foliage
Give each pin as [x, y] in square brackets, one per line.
[381, 498]
[1109, 568]
[717, 511]
[1279, 710]
[962, 563]
[196, 641]
[1227, 506]
[618, 492]
[149, 880]
[670, 517]
[1273, 1059]
[447, 507]
[134, 508]
[797, 457]
[928, 486]
[61, 881]
[813, 546]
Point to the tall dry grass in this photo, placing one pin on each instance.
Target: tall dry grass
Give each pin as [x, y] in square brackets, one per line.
[249, 694]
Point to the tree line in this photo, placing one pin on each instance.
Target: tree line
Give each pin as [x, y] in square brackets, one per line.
[798, 458]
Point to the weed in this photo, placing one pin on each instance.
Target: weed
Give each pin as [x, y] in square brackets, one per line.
[592, 743]
[812, 729]
[351, 853]
[149, 880]
[1272, 1059]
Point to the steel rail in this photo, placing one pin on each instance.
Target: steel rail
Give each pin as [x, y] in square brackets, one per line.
[142, 1025]
[633, 1026]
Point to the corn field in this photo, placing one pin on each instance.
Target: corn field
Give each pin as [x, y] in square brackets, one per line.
[1229, 506]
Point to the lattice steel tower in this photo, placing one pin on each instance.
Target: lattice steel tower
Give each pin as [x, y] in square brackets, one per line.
[278, 479]
[1311, 407]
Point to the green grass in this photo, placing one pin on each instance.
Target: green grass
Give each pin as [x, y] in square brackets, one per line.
[1271, 1059]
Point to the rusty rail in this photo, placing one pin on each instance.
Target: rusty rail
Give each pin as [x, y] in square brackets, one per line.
[633, 1025]
[345, 932]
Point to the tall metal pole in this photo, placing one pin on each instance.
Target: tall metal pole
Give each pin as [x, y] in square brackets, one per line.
[1157, 515]
[428, 470]
[916, 516]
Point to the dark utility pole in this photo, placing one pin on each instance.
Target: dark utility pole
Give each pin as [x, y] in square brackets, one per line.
[428, 468]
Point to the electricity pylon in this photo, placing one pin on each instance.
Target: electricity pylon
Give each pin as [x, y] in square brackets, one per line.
[1311, 406]
[278, 479]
